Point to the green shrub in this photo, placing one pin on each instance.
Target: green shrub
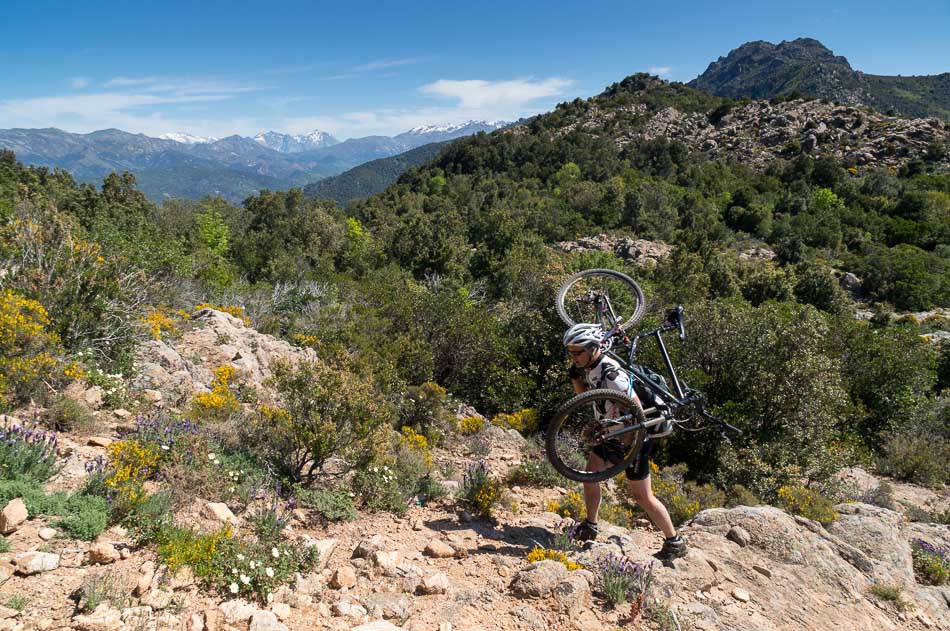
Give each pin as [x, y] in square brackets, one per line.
[85, 517]
[27, 349]
[322, 412]
[480, 490]
[536, 471]
[103, 588]
[328, 504]
[931, 563]
[239, 568]
[682, 498]
[423, 409]
[807, 503]
[919, 451]
[4, 545]
[65, 414]
[890, 594]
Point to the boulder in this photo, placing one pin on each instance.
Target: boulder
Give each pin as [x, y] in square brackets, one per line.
[572, 595]
[220, 512]
[366, 547]
[343, 578]
[103, 554]
[29, 563]
[13, 514]
[235, 611]
[435, 584]
[538, 580]
[388, 605]
[265, 621]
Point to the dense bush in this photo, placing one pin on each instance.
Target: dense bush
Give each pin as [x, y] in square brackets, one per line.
[321, 412]
[919, 448]
[27, 349]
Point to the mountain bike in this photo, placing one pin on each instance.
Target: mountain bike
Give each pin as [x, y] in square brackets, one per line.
[612, 424]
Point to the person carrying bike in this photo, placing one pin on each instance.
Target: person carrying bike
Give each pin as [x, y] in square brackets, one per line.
[590, 369]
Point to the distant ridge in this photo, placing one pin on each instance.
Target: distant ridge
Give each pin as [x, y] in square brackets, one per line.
[762, 70]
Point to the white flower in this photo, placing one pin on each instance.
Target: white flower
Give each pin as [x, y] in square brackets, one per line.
[275, 553]
[211, 456]
[269, 571]
[245, 579]
[253, 565]
[165, 447]
[240, 557]
[233, 587]
[234, 571]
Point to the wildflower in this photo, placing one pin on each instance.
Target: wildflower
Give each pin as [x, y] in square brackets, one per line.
[275, 553]
[234, 571]
[253, 565]
[233, 587]
[240, 557]
[269, 571]
[270, 597]
[245, 579]
[211, 456]
[165, 447]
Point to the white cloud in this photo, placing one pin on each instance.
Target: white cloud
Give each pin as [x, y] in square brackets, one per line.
[78, 83]
[477, 93]
[660, 71]
[129, 81]
[382, 64]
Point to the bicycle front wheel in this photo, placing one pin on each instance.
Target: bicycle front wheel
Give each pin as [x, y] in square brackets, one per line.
[579, 442]
[600, 296]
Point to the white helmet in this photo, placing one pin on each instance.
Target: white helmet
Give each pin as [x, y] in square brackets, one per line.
[583, 334]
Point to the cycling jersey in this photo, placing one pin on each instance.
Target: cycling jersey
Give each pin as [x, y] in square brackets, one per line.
[607, 373]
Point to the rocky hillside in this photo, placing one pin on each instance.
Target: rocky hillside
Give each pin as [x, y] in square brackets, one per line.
[761, 70]
[438, 565]
[757, 133]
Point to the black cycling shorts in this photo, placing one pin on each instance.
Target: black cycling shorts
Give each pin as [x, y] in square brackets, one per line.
[639, 469]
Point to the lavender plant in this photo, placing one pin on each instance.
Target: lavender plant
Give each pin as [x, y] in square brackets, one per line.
[622, 580]
[931, 562]
[164, 431]
[27, 453]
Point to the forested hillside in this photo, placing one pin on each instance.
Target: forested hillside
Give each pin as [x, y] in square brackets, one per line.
[446, 278]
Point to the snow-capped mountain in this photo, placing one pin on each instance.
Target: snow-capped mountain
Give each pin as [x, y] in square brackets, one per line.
[289, 143]
[468, 127]
[186, 139]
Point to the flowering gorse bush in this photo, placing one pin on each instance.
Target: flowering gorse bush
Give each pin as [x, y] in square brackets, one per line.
[27, 453]
[525, 421]
[621, 580]
[931, 562]
[131, 464]
[683, 498]
[807, 503]
[160, 324]
[416, 442]
[221, 402]
[480, 490]
[26, 349]
[572, 505]
[471, 425]
[538, 553]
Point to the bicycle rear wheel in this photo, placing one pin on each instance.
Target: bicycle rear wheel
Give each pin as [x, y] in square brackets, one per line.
[575, 434]
[600, 296]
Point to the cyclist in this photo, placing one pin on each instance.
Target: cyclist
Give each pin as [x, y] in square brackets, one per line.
[592, 368]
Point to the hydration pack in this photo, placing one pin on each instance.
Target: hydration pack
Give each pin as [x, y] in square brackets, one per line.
[647, 398]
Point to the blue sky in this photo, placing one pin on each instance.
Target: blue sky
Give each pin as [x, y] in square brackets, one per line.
[357, 68]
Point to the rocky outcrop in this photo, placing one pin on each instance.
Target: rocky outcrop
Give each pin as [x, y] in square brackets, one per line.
[634, 251]
[183, 366]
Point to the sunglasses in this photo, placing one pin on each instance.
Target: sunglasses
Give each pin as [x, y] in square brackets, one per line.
[576, 353]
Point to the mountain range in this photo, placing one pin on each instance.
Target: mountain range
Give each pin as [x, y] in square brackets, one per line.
[762, 70]
[183, 165]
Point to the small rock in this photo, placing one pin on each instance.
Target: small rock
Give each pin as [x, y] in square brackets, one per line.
[220, 512]
[235, 611]
[29, 563]
[386, 561]
[14, 514]
[6, 571]
[387, 605]
[436, 584]
[158, 599]
[741, 595]
[572, 594]
[764, 571]
[103, 554]
[93, 397]
[183, 578]
[104, 618]
[99, 441]
[538, 579]
[153, 395]
[281, 610]
[349, 609]
[439, 549]
[196, 623]
[47, 533]
[143, 583]
[122, 413]
[7, 613]
[168, 622]
[343, 577]
[739, 535]
[265, 621]
[366, 547]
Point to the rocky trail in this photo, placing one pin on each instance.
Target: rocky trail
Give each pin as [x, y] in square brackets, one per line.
[437, 567]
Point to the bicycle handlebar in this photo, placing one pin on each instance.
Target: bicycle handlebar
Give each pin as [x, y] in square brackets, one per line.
[674, 319]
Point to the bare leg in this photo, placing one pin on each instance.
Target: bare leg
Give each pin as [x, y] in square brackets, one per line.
[642, 491]
[592, 489]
